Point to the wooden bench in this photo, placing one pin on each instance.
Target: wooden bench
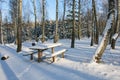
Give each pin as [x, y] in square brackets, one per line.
[53, 55]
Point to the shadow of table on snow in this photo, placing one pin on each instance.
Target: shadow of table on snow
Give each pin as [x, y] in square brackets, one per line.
[60, 72]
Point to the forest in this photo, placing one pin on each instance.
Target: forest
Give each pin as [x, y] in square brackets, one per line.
[60, 39]
[29, 20]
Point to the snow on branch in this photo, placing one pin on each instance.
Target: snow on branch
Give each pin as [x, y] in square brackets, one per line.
[103, 43]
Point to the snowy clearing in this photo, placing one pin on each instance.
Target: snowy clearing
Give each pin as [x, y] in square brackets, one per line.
[76, 65]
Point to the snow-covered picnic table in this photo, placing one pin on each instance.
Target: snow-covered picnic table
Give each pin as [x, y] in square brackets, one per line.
[44, 46]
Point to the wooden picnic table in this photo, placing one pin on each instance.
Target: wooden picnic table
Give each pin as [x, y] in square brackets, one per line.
[44, 46]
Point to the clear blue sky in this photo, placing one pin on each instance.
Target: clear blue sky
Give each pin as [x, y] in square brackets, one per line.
[51, 7]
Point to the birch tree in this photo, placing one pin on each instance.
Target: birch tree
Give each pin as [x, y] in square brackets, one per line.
[1, 32]
[43, 21]
[116, 27]
[92, 34]
[35, 18]
[13, 12]
[64, 13]
[106, 35]
[73, 28]
[118, 14]
[96, 32]
[79, 19]
[56, 29]
[19, 27]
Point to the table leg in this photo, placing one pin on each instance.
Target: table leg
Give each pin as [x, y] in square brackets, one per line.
[52, 50]
[53, 58]
[31, 56]
[39, 56]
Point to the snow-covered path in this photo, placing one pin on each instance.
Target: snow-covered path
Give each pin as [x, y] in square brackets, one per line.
[75, 66]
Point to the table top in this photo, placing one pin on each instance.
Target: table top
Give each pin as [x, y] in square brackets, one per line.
[45, 45]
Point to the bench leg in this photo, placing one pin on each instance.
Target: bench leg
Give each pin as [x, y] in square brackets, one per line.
[39, 56]
[53, 59]
[31, 56]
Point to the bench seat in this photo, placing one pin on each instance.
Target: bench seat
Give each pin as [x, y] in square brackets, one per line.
[53, 55]
[30, 53]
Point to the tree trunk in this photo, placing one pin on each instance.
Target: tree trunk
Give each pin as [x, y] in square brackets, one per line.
[96, 34]
[64, 13]
[1, 33]
[73, 28]
[36, 37]
[103, 44]
[43, 21]
[92, 34]
[118, 22]
[56, 30]
[114, 38]
[13, 4]
[19, 28]
[79, 18]
[7, 29]
[117, 27]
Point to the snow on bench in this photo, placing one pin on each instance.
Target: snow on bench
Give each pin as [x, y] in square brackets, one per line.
[26, 52]
[53, 55]
[30, 53]
[115, 36]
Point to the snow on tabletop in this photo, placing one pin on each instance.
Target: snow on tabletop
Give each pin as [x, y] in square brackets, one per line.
[45, 45]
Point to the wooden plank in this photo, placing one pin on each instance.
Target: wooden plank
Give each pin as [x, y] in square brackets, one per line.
[29, 53]
[53, 56]
[58, 52]
[63, 54]
[39, 55]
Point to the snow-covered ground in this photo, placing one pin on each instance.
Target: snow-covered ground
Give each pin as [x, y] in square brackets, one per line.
[77, 64]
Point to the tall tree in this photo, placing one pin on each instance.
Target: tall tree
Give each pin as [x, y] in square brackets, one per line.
[118, 15]
[79, 19]
[1, 33]
[43, 21]
[56, 30]
[35, 20]
[13, 12]
[116, 28]
[73, 28]
[92, 34]
[96, 33]
[1, 30]
[103, 44]
[64, 13]
[7, 29]
[19, 27]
